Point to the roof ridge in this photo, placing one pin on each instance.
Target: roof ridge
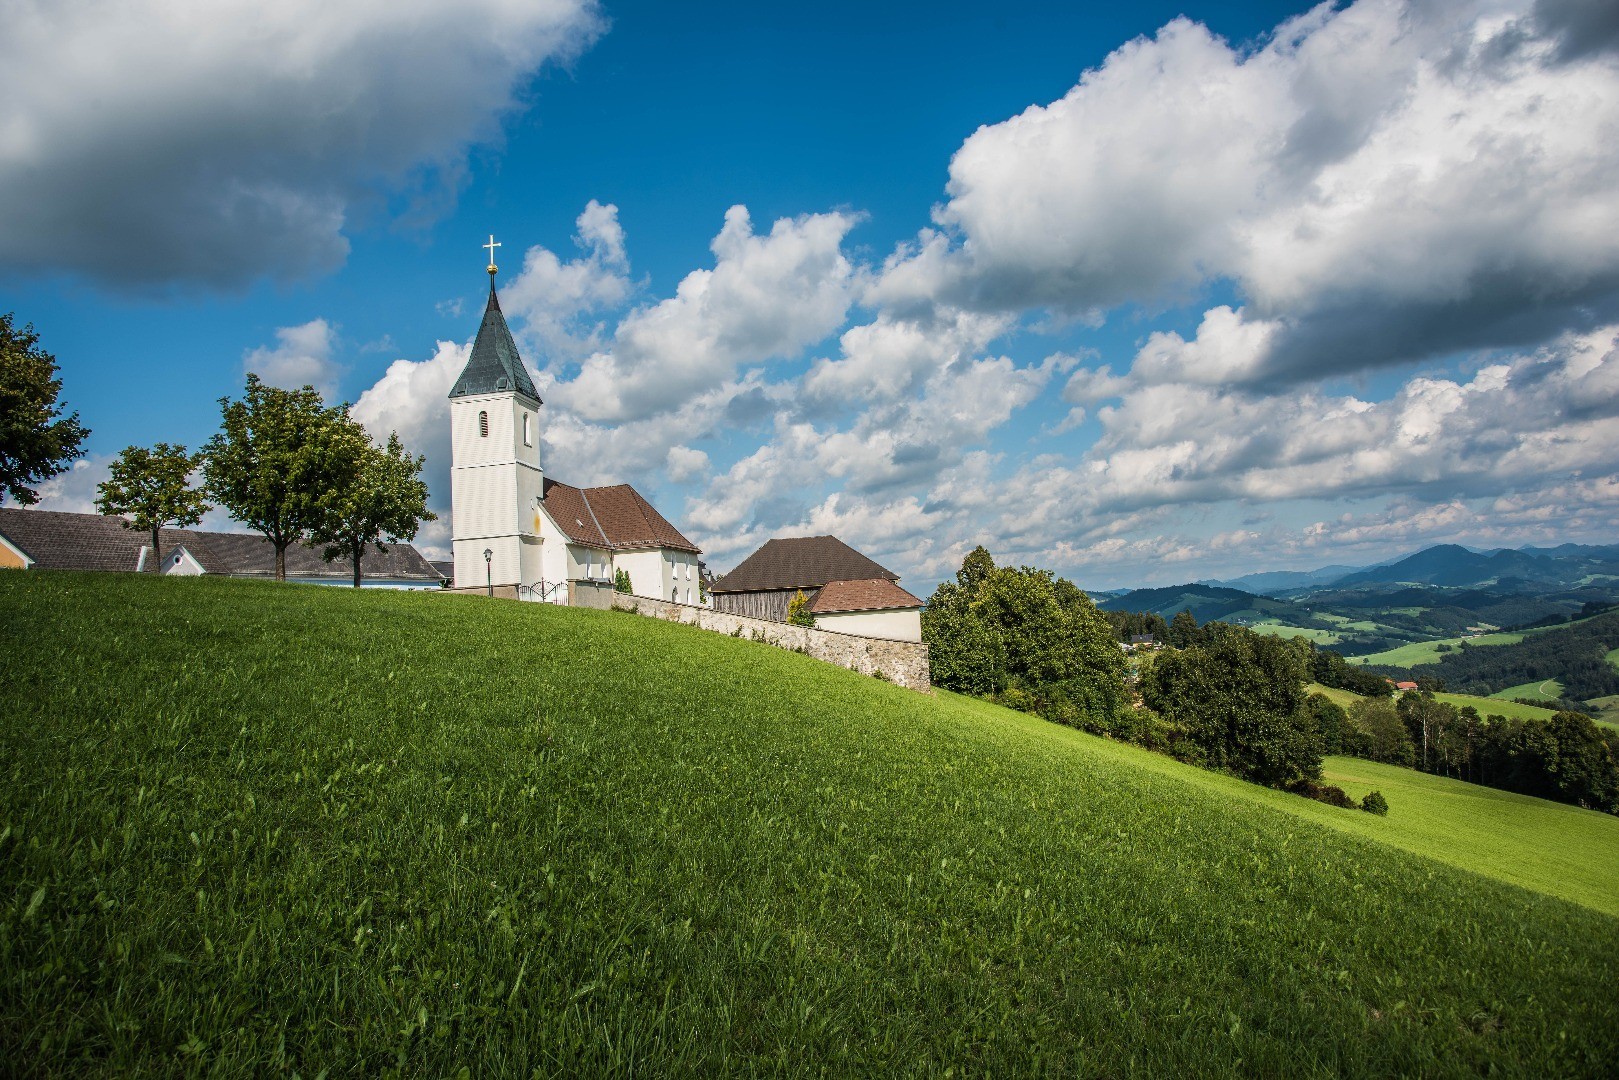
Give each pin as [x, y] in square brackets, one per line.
[584, 494]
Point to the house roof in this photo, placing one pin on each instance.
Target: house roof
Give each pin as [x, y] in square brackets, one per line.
[495, 365]
[868, 594]
[616, 518]
[801, 562]
[251, 555]
[62, 541]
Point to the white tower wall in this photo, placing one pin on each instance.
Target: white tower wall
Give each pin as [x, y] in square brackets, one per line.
[495, 485]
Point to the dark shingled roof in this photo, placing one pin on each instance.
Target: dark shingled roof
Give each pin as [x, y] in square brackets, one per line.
[616, 518]
[872, 594]
[804, 562]
[494, 366]
[61, 541]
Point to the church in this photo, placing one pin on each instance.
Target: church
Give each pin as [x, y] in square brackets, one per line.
[518, 533]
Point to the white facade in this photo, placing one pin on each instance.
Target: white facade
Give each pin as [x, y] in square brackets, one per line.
[661, 573]
[897, 624]
[495, 487]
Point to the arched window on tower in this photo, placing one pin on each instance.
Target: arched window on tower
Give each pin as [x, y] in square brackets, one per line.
[528, 440]
[483, 424]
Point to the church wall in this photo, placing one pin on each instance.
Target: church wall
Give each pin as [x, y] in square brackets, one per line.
[648, 572]
[902, 662]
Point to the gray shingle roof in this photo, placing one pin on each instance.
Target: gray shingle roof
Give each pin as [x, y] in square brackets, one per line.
[801, 562]
[495, 365]
[62, 541]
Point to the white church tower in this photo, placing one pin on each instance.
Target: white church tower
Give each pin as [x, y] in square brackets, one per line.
[495, 476]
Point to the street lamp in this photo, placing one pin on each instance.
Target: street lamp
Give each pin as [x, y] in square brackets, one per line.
[489, 569]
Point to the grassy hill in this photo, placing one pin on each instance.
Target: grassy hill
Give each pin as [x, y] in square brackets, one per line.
[248, 828]
[1428, 652]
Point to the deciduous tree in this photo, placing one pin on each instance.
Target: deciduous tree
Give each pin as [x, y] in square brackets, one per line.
[798, 610]
[1239, 699]
[382, 500]
[277, 461]
[36, 440]
[152, 488]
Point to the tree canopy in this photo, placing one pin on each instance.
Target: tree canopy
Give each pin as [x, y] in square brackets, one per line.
[1238, 699]
[1026, 636]
[380, 497]
[152, 487]
[36, 440]
[278, 461]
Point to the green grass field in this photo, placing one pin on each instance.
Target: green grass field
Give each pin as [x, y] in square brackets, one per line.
[1551, 691]
[1427, 652]
[1606, 710]
[1344, 698]
[1279, 629]
[1488, 706]
[1552, 847]
[249, 828]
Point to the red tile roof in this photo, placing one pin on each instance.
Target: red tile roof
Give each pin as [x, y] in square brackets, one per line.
[869, 594]
[615, 517]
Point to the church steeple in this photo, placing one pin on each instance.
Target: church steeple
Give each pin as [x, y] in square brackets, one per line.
[495, 366]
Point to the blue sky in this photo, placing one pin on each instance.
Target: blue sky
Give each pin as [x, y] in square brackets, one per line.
[1201, 295]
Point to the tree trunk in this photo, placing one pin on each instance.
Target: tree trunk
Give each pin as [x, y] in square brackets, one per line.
[280, 560]
[157, 552]
[358, 551]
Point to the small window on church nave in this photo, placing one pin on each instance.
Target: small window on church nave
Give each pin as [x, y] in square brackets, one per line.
[483, 424]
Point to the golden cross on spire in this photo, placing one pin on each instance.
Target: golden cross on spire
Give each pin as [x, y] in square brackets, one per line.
[492, 245]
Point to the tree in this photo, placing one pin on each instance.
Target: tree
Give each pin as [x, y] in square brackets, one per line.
[1183, 630]
[1028, 635]
[153, 489]
[621, 581]
[1383, 736]
[383, 499]
[1331, 723]
[277, 461]
[36, 440]
[798, 610]
[1239, 700]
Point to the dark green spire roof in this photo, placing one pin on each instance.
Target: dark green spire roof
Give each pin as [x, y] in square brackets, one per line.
[495, 366]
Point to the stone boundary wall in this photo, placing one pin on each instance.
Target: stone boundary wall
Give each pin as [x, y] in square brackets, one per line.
[902, 662]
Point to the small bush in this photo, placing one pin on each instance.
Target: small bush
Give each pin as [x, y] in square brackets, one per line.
[621, 581]
[1326, 793]
[1374, 803]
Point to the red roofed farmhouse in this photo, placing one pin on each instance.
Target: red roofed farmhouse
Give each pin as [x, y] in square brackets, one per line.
[849, 593]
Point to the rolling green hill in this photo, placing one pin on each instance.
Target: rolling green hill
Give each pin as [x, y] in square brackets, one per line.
[1428, 652]
[250, 828]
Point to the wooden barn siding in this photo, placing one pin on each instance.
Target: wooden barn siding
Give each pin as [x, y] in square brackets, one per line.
[770, 606]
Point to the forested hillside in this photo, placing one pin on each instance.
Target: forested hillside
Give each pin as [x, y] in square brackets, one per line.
[1575, 655]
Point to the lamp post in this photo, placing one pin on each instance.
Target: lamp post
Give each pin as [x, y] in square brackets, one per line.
[489, 569]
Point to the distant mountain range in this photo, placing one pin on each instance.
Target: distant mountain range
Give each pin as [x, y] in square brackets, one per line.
[1567, 566]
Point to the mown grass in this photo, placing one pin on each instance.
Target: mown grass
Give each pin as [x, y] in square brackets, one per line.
[1548, 846]
[1550, 690]
[253, 829]
[1427, 652]
[1281, 629]
[1490, 706]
